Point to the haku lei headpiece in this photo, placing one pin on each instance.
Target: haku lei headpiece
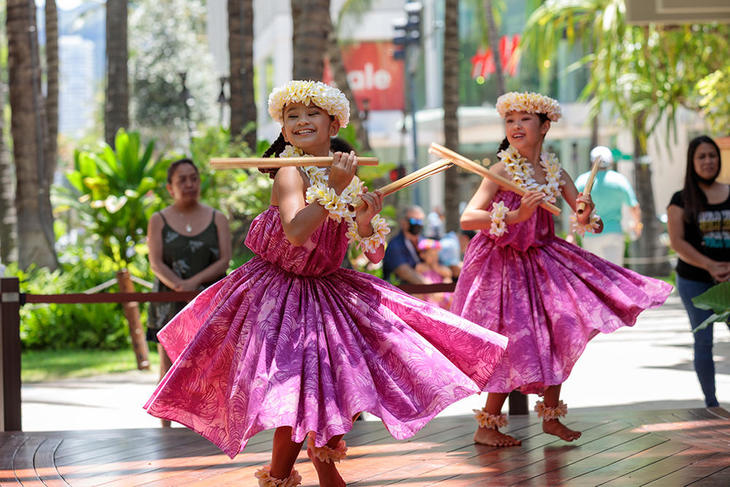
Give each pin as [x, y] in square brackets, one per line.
[339, 205]
[326, 97]
[530, 103]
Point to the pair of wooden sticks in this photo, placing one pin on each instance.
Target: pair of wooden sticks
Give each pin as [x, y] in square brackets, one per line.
[448, 159]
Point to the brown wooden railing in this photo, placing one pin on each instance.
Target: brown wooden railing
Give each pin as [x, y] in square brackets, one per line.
[11, 299]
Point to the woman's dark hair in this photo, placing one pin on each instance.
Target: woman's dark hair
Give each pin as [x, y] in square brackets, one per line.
[692, 195]
[336, 145]
[505, 143]
[173, 167]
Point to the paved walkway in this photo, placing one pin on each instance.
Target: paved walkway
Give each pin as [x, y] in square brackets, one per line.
[646, 367]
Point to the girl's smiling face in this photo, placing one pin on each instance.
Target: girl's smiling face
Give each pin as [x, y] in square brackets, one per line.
[309, 128]
[524, 130]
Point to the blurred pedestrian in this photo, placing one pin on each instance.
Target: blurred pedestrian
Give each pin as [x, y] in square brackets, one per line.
[611, 192]
[401, 254]
[699, 231]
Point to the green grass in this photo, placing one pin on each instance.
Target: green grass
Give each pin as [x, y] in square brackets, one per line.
[45, 365]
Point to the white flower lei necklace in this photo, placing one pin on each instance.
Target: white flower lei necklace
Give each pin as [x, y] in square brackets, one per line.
[522, 172]
[339, 205]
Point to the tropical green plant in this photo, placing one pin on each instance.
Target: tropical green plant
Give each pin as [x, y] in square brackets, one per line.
[115, 191]
[70, 326]
[644, 73]
[714, 90]
[717, 299]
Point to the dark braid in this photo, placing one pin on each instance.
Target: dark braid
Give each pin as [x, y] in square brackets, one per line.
[340, 145]
[503, 146]
[276, 148]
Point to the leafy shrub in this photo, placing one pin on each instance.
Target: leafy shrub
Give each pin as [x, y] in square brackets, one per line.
[71, 326]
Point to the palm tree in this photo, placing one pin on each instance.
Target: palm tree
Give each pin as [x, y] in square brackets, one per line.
[240, 48]
[116, 108]
[334, 54]
[7, 209]
[493, 35]
[452, 178]
[28, 127]
[311, 26]
[51, 15]
[642, 72]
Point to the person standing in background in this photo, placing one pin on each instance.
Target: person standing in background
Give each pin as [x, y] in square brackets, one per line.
[401, 254]
[189, 248]
[698, 221]
[611, 191]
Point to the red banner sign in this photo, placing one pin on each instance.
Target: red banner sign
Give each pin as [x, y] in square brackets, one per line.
[482, 64]
[375, 78]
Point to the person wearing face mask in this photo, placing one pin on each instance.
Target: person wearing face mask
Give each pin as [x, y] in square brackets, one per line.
[401, 254]
[698, 223]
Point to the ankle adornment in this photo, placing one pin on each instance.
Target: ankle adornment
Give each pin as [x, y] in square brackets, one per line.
[548, 413]
[325, 453]
[266, 480]
[490, 421]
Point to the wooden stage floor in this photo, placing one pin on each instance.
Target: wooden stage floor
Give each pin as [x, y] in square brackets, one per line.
[618, 448]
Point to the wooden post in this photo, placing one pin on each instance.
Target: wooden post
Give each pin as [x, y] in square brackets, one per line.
[517, 403]
[131, 312]
[10, 354]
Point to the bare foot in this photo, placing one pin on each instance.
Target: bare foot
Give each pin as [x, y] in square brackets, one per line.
[326, 472]
[492, 437]
[555, 427]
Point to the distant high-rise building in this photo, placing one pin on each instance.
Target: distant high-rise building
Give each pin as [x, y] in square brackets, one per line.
[77, 85]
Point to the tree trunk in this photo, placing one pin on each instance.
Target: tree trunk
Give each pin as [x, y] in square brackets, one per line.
[334, 54]
[452, 178]
[28, 128]
[116, 108]
[51, 107]
[648, 249]
[310, 27]
[493, 35]
[51, 87]
[8, 235]
[240, 49]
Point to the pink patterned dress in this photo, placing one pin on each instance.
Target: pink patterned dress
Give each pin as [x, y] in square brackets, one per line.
[548, 296]
[292, 339]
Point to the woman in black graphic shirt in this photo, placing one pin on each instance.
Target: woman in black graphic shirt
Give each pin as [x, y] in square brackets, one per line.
[699, 231]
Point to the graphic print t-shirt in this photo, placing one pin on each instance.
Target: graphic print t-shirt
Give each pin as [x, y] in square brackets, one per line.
[710, 235]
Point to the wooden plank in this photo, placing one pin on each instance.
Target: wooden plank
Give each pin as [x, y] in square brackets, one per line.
[467, 465]
[8, 446]
[23, 463]
[554, 457]
[660, 468]
[712, 470]
[629, 464]
[45, 464]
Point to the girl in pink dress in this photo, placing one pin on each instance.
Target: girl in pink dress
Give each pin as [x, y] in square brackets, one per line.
[549, 297]
[292, 342]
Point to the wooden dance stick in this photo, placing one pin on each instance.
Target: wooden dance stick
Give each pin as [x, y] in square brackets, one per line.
[589, 184]
[425, 172]
[472, 166]
[276, 162]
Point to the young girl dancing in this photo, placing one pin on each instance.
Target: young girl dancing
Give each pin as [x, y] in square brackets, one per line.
[292, 341]
[549, 297]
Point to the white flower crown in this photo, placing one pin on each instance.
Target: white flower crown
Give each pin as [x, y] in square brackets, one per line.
[326, 97]
[530, 103]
